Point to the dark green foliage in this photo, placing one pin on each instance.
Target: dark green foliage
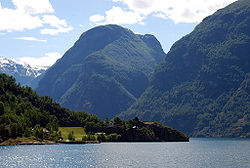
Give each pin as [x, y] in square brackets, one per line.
[101, 138]
[202, 87]
[53, 126]
[113, 137]
[90, 137]
[71, 136]
[55, 135]
[27, 132]
[23, 110]
[84, 138]
[38, 132]
[105, 71]
[118, 121]
[90, 127]
[1, 108]
[138, 131]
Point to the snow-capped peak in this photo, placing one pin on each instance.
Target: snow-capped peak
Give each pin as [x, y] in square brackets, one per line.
[20, 70]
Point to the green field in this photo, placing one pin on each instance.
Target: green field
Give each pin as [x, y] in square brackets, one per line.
[78, 132]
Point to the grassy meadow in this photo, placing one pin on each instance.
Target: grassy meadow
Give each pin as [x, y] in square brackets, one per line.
[79, 132]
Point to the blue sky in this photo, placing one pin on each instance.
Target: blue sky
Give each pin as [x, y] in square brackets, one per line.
[39, 32]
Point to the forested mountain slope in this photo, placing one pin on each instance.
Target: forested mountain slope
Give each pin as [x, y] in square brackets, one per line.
[23, 112]
[202, 87]
[105, 71]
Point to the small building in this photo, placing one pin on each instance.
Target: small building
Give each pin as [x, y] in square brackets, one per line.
[100, 133]
[46, 133]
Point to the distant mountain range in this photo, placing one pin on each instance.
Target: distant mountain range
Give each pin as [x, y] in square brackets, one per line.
[104, 72]
[23, 73]
[202, 88]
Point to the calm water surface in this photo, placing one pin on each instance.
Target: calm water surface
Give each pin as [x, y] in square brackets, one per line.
[197, 153]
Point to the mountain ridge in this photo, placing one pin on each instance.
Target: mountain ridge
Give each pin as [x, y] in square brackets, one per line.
[109, 57]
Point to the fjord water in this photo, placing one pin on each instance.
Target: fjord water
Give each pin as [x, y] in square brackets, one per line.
[196, 153]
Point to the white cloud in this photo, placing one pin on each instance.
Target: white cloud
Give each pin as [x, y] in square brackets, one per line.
[119, 16]
[54, 21]
[116, 15]
[30, 14]
[56, 31]
[16, 20]
[187, 11]
[33, 6]
[42, 62]
[30, 39]
[96, 18]
[60, 26]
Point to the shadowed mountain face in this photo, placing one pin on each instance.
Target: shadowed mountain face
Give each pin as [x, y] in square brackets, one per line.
[105, 71]
[202, 87]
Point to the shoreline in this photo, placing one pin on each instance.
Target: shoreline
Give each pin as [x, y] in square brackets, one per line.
[17, 143]
[27, 143]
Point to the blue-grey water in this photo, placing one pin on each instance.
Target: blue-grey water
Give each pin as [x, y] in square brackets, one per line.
[198, 153]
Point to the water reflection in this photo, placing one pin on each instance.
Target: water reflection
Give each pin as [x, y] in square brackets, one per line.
[196, 153]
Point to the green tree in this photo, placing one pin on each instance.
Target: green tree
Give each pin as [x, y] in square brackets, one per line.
[117, 121]
[91, 137]
[106, 122]
[52, 126]
[90, 127]
[21, 108]
[147, 131]
[71, 136]
[38, 132]
[129, 124]
[113, 137]
[1, 108]
[136, 119]
[54, 136]
[101, 138]
[27, 132]
[84, 138]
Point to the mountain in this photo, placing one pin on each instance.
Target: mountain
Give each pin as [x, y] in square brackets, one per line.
[104, 72]
[24, 114]
[202, 86]
[23, 73]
